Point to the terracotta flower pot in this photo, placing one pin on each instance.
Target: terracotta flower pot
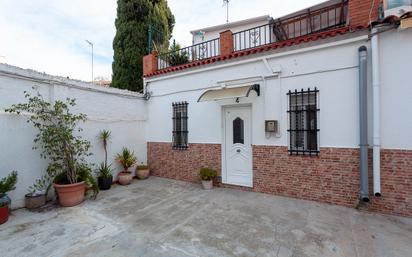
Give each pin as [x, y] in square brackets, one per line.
[207, 184]
[142, 173]
[4, 214]
[125, 177]
[71, 194]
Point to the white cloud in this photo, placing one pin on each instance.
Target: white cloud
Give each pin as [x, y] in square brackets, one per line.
[50, 36]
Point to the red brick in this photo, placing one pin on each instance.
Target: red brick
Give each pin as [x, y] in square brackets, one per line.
[332, 177]
[226, 42]
[359, 10]
[150, 63]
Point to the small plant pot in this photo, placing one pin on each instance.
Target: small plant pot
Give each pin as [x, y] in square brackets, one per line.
[105, 182]
[34, 201]
[207, 184]
[142, 173]
[125, 177]
[4, 214]
[5, 200]
[71, 194]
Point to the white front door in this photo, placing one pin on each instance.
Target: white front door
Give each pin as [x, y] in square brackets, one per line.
[237, 149]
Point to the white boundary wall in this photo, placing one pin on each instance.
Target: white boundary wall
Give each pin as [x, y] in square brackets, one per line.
[120, 111]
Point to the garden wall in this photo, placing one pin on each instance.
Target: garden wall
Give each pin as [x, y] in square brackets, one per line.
[120, 111]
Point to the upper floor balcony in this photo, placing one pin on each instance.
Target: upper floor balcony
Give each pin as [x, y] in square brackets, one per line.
[327, 16]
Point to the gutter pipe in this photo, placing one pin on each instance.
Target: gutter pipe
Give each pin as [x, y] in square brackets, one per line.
[363, 127]
[376, 113]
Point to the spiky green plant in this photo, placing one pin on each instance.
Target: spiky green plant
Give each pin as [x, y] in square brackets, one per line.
[126, 158]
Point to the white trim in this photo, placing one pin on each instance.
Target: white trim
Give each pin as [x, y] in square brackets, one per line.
[256, 59]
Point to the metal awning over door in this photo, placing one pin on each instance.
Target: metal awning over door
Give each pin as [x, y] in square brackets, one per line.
[227, 93]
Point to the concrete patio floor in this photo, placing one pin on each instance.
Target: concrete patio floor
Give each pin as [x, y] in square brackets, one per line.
[161, 217]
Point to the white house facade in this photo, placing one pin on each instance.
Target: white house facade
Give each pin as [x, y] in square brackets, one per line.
[319, 115]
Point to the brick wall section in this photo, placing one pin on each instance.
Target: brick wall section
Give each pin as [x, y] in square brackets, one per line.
[332, 177]
[226, 42]
[396, 183]
[150, 63]
[182, 164]
[358, 12]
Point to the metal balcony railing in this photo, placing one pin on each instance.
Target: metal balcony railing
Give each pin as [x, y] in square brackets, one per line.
[313, 21]
[189, 54]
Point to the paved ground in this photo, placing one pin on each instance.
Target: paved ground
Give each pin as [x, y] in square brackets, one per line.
[159, 217]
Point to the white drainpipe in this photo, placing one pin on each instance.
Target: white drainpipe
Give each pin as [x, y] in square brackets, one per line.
[376, 113]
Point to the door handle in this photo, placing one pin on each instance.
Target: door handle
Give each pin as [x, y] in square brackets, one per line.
[238, 150]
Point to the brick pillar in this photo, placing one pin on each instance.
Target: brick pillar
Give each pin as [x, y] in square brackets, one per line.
[150, 63]
[226, 42]
[358, 12]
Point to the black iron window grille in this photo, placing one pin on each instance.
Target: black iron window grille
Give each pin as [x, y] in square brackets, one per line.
[180, 125]
[303, 122]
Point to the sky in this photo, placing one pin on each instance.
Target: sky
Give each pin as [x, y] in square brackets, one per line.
[49, 35]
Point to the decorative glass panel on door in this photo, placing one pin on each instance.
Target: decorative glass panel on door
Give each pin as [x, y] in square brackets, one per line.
[238, 131]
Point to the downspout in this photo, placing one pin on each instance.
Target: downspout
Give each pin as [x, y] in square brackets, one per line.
[376, 113]
[363, 127]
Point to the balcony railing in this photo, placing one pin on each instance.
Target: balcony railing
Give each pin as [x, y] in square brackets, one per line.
[189, 54]
[313, 21]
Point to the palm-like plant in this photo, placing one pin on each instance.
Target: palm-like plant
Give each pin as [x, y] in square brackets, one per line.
[104, 136]
[126, 158]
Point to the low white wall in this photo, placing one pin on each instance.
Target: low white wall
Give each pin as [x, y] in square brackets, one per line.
[122, 112]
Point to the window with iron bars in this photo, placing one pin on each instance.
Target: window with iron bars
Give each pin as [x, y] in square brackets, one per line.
[303, 122]
[180, 125]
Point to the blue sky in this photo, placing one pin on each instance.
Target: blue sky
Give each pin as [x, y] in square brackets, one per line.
[49, 35]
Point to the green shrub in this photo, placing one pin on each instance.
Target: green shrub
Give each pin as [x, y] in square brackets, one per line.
[207, 174]
[126, 158]
[8, 183]
[104, 171]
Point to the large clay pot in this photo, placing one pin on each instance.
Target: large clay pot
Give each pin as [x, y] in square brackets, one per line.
[125, 177]
[4, 213]
[207, 184]
[71, 194]
[105, 182]
[142, 173]
[34, 201]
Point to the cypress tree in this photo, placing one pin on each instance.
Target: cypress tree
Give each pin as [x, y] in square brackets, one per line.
[131, 41]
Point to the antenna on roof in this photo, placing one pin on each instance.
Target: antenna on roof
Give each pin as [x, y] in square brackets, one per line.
[226, 2]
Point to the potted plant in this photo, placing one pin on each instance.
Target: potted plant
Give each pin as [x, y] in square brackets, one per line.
[38, 192]
[207, 175]
[142, 171]
[127, 159]
[104, 176]
[6, 184]
[65, 151]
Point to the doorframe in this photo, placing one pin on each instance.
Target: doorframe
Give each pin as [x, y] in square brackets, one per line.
[223, 129]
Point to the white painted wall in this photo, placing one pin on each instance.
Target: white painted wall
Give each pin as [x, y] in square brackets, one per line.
[333, 70]
[122, 112]
[396, 88]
